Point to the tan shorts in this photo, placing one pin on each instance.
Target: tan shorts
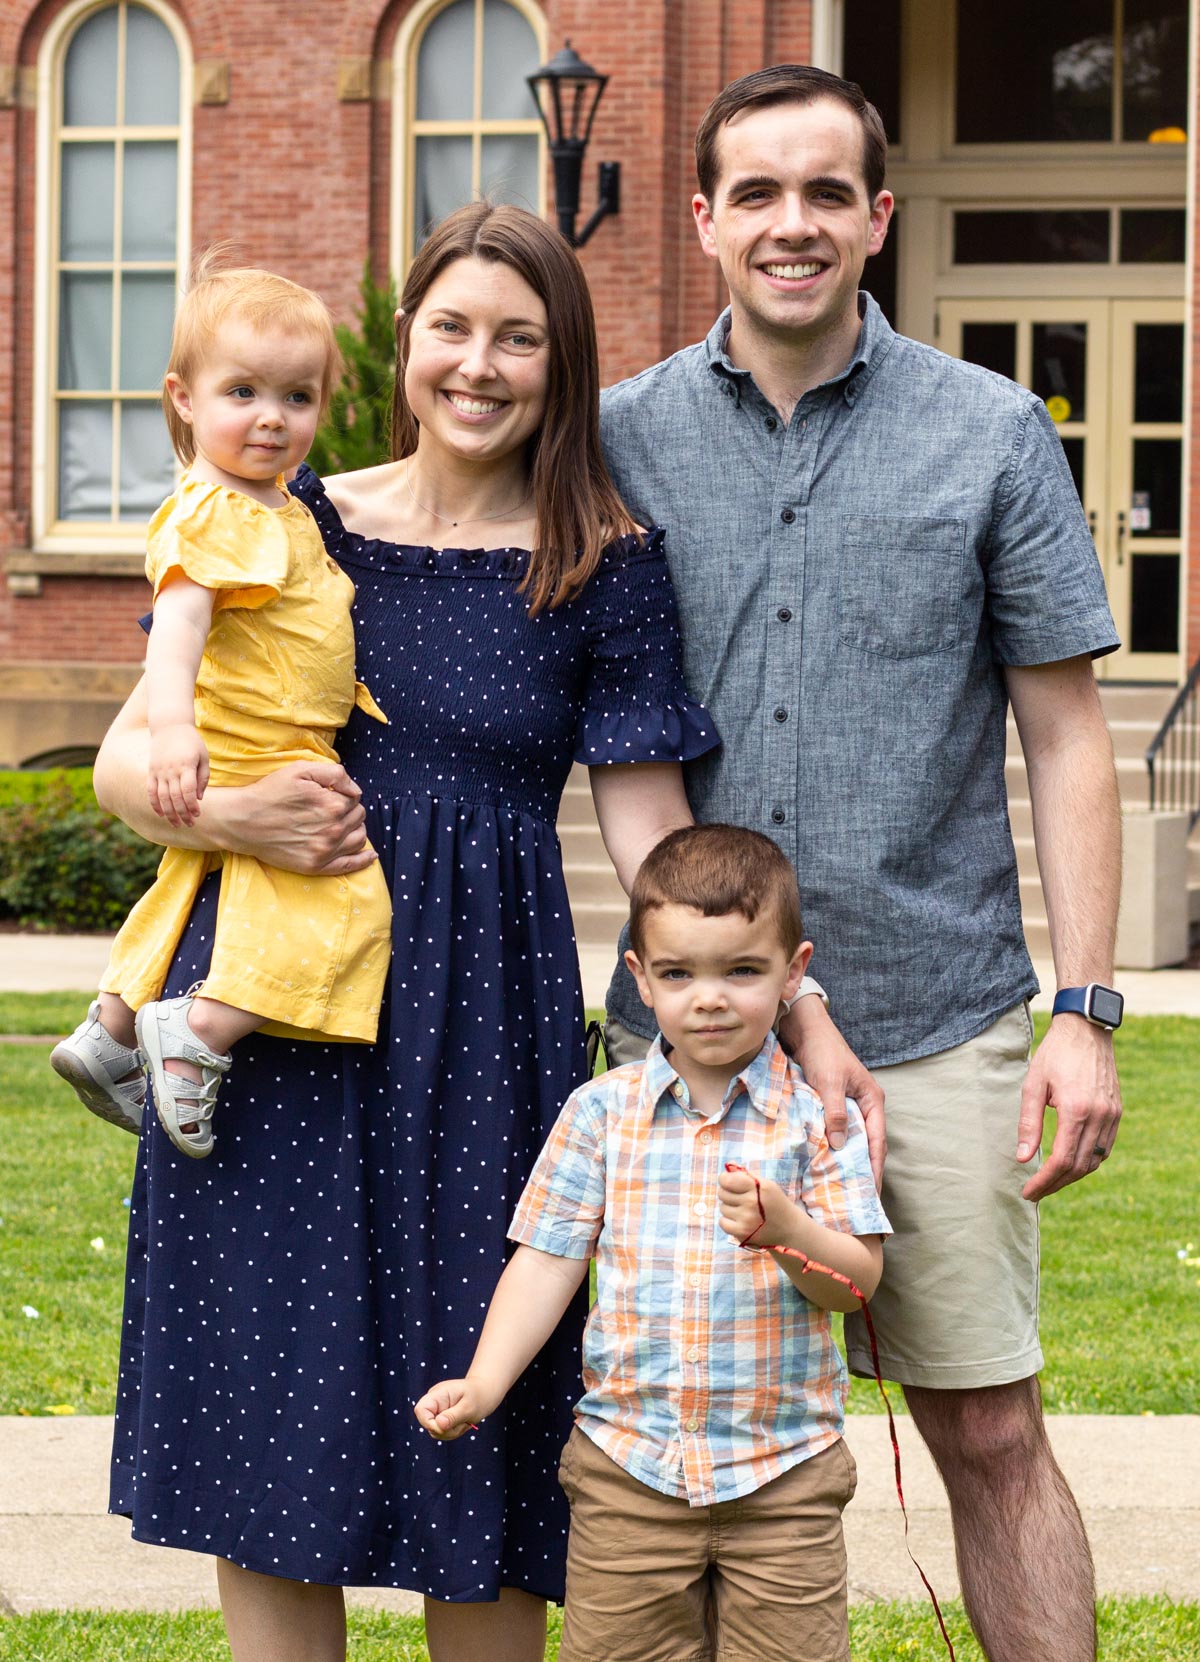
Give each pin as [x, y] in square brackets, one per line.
[652, 1579]
[957, 1306]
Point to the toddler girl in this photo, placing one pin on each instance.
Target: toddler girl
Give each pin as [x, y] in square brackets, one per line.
[249, 666]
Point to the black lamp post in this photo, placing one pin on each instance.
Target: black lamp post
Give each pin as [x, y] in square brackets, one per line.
[567, 92]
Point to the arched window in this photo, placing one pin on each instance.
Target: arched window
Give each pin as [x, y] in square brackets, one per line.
[467, 123]
[113, 229]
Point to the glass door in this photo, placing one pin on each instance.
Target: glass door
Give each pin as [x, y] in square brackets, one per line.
[1146, 455]
[1111, 375]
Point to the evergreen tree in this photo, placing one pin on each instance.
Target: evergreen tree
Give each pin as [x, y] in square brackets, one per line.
[356, 429]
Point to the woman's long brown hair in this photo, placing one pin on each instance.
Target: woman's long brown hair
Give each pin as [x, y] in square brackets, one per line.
[575, 502]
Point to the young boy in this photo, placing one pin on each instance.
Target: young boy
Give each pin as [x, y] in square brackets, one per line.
[706, 1472]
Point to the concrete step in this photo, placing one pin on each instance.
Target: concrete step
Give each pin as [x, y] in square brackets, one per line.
[1149, 703]
[1129, 738]
[597, 925]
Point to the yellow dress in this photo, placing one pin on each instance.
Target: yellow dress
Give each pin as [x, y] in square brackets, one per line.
[276, 683]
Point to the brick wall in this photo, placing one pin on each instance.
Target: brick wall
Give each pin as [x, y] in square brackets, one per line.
[301, 182]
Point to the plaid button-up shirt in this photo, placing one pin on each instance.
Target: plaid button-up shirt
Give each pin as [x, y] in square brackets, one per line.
[707, 1374]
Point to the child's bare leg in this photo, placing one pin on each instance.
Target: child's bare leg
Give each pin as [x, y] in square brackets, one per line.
[116, 1018]
[185, 1042]
[217, 1025]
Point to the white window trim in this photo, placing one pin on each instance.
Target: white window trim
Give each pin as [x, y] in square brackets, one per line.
[50, 535]
[828, 23]
[408, 40]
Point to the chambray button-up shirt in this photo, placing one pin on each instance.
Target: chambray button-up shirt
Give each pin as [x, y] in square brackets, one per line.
[851, 586]
[706, 1373]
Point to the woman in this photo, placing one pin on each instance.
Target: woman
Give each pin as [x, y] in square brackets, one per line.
[340, 1247]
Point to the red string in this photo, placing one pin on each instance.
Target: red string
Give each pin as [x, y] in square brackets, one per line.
[824, 1269]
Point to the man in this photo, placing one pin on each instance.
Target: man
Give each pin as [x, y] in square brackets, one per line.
[875, 548]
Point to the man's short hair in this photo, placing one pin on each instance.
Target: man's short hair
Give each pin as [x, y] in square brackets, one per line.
[718, 869]
[789, 83]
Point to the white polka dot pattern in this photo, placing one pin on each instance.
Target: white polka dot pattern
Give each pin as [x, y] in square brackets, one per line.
[289, 1298]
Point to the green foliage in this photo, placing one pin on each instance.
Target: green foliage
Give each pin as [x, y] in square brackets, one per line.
[357, 426]
[64, 863]
[24, 786]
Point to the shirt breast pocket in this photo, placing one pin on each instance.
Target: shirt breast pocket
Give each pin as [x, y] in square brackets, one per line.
[902, 585]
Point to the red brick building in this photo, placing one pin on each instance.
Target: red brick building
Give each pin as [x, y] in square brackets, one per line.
[1041, 167]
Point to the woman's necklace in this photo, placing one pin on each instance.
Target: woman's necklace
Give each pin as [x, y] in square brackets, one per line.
[474, 519]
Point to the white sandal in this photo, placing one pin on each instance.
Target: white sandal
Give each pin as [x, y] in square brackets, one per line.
[164, 1033]
[96, 1067]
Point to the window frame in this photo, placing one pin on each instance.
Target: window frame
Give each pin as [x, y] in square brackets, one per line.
[50, 534]
[406, 128]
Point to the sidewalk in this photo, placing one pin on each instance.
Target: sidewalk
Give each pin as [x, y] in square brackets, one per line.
[58, 1548]
[64, 963]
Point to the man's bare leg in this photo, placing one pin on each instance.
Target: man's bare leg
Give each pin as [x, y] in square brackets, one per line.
[270, 1619]
[512, 1630]
[1023, 1557]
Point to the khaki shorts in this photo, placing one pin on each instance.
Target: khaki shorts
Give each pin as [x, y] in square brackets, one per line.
[652, 1579]
[957, 1305]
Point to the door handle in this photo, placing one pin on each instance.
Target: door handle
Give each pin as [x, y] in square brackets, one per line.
[1121, 528]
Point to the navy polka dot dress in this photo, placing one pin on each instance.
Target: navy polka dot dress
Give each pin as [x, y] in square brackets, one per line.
[290, 1297]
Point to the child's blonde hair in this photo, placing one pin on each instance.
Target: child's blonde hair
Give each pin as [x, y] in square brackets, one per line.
[254, 297]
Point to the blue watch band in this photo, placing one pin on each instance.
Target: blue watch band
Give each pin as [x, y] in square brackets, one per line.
[1102, 1006]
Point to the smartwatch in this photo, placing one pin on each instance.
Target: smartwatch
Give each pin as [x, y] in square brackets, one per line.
[1102, 1006]
[809, 987]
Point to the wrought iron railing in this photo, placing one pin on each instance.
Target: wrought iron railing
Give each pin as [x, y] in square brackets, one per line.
[1173, 759]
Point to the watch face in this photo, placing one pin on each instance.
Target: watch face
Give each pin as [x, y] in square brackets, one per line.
[1107, 1007]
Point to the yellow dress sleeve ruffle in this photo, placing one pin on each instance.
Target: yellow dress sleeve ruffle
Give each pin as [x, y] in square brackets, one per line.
[221, 540]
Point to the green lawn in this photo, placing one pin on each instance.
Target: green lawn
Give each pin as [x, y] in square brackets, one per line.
[1112, 1266]
[1111, 1245]
[1131, 1630]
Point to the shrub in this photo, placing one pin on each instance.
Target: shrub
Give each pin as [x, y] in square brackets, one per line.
[64, 863]
[356, 430]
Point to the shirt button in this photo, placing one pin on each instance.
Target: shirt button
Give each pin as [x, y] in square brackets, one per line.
[700, 1208]
[692, 1425]
[677, 1089]
[693, 1280]
[784, 614]
[706, 1136]
[693, 1354]
[788, 515]
[777, 816]
[781, 714]
[771, 424]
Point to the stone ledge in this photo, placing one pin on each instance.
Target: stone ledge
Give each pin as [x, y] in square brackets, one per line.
[25, 561]
[90, 682]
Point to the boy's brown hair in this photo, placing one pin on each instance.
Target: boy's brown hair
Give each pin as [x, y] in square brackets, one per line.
[246, 294]
[718, 869]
